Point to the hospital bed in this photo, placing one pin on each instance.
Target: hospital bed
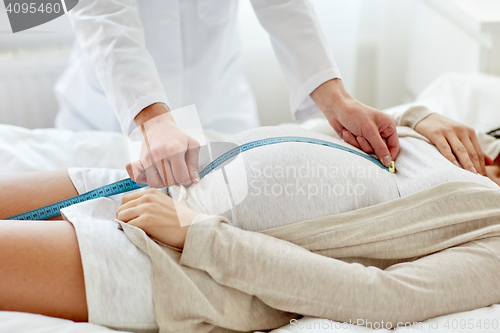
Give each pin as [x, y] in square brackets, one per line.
[469, 98]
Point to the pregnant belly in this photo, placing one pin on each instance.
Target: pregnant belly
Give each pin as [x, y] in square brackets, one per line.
[284, 183]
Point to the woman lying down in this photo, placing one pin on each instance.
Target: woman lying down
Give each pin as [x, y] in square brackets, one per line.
[314, 230]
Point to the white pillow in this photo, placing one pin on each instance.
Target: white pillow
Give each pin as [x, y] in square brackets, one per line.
[472, 99]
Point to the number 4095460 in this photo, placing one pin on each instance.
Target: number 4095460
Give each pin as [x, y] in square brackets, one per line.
[26, 7]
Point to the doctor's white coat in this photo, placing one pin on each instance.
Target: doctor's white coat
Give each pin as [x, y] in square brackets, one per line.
[130, 54]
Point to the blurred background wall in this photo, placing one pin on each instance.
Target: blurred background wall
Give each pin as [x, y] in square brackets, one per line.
[386, 50]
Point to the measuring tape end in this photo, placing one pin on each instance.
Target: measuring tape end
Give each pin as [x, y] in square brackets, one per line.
[392, 168]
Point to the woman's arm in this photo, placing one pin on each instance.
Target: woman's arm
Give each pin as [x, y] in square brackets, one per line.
[158, 215]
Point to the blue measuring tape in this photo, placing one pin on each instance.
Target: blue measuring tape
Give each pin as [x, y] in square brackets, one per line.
[259, 143]
[128, 184]
[54, 209]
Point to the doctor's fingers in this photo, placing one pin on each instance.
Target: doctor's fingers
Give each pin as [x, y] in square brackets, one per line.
[392, 140]
[369, 149]
[337, 126]
[164, 171]
[180, 170]
[136, 172]
[153, 176]
[192, 157]
[351, 139]
[379, 145]
[365, 145]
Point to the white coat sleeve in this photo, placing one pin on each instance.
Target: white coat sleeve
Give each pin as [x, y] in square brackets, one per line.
[112, 38]
[301, 48]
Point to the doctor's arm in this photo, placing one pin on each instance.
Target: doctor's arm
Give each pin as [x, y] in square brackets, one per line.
[111, 36]
[357, 124]
[313, 79]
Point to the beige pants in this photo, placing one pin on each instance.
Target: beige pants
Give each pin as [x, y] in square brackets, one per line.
[431, 253]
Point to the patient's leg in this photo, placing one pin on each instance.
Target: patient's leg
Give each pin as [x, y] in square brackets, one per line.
[41, 270]
[26, 191]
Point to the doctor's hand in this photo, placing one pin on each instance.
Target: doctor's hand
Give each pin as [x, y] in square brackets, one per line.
[158, 215]
[357, 124]
[455, 141]
[168, 155]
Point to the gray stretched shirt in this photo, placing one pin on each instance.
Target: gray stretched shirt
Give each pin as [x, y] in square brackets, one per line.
[284, 183]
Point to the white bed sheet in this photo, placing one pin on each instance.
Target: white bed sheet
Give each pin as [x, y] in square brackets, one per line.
[18, 322]
[24, 150]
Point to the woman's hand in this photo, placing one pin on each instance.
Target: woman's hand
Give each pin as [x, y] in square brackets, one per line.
[454, 141]
[158, 215]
